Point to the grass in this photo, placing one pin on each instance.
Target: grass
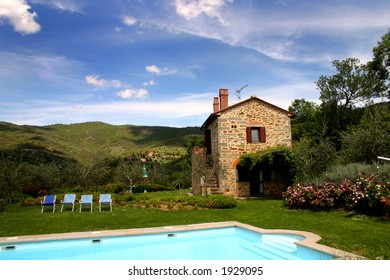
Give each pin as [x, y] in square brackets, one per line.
[366, 236]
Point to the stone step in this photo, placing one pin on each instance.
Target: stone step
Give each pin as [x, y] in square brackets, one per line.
[215, 190]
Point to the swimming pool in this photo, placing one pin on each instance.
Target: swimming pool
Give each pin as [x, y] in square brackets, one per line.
[222, 242]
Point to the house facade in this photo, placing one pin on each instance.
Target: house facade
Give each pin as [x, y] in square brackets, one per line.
[248, 126]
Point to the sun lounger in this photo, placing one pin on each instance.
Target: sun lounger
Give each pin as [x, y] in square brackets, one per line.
[49, 200]
[69, 199]
[86, 199]
[105, 199]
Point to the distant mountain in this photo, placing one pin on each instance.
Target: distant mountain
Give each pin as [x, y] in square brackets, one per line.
[87, 141]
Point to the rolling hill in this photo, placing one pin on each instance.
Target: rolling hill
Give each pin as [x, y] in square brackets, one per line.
[87, 141]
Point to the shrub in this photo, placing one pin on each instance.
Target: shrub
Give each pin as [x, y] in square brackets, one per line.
[31, 201]
[310, 197]
[122, 199]
[112, 188]
[370, 195]
[151, 188]
[354, 171]
[182, 201]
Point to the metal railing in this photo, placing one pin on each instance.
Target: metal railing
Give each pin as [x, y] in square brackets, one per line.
[380, 158]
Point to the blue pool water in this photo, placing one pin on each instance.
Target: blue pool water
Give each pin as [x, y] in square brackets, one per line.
[230, 243]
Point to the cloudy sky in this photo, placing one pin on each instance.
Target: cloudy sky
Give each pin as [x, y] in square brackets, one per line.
[148, 62]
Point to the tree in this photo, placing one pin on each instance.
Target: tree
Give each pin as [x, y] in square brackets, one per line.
[369, 139]
[10, 169]
[313, 157]
[304, 122]
[131, 171]
[380, 65]
[205, 169]
[190, 141]
[353, 84]
[38, 179]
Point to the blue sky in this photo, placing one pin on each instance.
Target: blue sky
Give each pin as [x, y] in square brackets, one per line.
[147, 62]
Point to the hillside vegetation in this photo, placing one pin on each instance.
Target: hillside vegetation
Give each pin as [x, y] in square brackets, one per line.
[86, 142]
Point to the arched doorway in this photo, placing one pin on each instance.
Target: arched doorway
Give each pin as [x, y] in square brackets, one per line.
[266, 173]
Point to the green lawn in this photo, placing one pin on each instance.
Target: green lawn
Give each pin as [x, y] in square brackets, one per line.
[366, 236]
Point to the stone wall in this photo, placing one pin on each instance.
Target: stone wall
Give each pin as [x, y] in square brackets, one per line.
[241, 189]
[228, 136]
[273, 189]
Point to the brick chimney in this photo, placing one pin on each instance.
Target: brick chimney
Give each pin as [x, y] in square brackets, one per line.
[216, 104]
[224, 98]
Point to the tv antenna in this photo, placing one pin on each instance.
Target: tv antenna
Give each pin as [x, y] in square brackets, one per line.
[238, 92]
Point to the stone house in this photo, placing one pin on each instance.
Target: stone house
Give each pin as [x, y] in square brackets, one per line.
[248, 126]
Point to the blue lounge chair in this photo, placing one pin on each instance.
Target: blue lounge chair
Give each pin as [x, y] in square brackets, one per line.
[69, 199]
[105, 199]
[49, 200]
[86, 199]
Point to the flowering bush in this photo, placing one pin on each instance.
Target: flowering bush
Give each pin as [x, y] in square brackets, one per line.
[369, 195]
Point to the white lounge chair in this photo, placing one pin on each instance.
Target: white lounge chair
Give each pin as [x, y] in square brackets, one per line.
[105, 199]
[69, 199]
[86, 199]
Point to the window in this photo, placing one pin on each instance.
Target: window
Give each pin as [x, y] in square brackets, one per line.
[255, 131]
[255, 134]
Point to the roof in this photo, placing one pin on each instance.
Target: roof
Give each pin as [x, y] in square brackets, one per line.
[215, 115]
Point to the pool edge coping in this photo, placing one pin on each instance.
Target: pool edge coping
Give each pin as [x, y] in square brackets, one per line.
[310, 241]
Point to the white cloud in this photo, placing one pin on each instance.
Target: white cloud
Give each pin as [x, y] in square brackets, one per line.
[52, 70]
[153, 69]
[194, 8]
[17, 13]
[160, 71]
[133, 93]
[126, 93]
[129, 20]
[95, 80]
[67, 5]
[73, 6]
[282, 34]
[174, 112]
[150, 83]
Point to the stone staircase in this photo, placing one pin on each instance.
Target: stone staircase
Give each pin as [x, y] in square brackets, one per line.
[212, 185]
